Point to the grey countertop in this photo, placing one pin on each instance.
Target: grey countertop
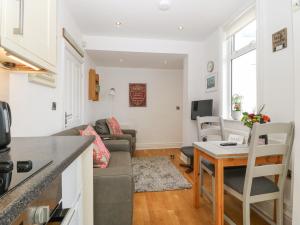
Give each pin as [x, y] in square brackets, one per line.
[61, 150]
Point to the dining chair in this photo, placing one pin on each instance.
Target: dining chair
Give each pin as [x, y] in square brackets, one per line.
[253, 184]
[210, 128]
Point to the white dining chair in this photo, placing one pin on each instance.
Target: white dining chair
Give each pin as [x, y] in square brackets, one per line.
[210, 128]
[253, 184]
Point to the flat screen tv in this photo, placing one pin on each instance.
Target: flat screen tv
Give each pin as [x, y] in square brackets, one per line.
[201, 108]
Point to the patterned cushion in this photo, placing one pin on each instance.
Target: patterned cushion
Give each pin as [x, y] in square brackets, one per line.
[114, 126]
[101, 155]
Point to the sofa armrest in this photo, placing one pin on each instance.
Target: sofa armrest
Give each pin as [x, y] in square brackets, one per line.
[117, 145]
[127, 137]
[113, 196]
[130, 131]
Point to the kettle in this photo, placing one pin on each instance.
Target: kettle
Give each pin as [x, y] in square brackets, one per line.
[5, 124]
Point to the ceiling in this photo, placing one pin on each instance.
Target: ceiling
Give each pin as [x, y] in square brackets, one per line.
[137, 60]
[143, 19]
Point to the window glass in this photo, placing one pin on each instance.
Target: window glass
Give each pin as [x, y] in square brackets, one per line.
[245, 36]
[243, 80]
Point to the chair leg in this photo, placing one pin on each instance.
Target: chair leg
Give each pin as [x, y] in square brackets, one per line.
[213, 192]
[279, 211]
[201, 181]
[246, 213]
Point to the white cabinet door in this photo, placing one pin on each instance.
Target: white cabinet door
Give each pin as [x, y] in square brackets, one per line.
[28, 29]
[77, 190]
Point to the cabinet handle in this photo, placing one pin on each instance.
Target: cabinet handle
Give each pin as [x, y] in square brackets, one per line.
[20, 29]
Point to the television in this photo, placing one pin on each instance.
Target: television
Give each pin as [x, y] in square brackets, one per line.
[201, 108]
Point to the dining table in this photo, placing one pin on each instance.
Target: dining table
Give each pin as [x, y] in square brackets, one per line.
[221, 157]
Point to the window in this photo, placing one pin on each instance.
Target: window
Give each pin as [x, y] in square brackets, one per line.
[242, 66]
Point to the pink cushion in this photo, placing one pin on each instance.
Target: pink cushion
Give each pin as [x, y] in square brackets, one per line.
[101, 155]
[114, 126]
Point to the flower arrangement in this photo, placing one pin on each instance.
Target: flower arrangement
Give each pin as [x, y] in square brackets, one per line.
[249, 119]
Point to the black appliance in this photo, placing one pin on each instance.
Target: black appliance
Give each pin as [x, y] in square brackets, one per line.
[14, 171]
[201, 108]
[5, 124]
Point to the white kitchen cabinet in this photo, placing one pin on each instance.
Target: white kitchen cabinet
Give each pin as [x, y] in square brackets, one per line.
[77, 189]
[28, 30]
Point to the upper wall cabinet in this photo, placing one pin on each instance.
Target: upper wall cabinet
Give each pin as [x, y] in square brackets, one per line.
[28, 30]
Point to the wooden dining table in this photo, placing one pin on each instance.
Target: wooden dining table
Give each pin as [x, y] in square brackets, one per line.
[221, 157]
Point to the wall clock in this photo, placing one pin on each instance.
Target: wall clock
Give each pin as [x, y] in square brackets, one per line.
[210, 66]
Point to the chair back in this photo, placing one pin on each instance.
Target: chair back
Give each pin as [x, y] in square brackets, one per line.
[214, 128]
[280, 150]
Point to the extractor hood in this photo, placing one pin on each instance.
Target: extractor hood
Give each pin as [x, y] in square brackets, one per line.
[12, 62]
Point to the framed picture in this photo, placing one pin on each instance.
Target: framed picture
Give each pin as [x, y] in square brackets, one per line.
[211, 82]
[279, 40]
[137, 95]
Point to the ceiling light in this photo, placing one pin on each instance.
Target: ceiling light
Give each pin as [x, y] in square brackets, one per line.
[164, 5]
[121, 60]
[166, 62]
[23, 62]
[118, 23]
[180, 28]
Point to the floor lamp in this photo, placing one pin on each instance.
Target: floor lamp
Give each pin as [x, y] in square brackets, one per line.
[112, 94]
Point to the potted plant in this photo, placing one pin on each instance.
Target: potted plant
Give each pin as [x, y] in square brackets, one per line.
[236, 112]
[249, 119]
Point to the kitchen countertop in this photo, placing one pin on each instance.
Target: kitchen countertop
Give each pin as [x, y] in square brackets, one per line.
[61, 150]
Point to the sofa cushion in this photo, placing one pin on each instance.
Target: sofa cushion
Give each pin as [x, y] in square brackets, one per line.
[120, 164]
[101, 154]
[114, 126]
[101, 127]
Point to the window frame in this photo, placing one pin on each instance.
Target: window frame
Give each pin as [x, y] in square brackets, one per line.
[232, 55]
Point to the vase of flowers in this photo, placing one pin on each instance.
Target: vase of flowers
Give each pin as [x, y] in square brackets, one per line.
[249, 119]
[236, 112]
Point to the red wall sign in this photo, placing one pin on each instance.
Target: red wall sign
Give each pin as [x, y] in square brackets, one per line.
[137, 95]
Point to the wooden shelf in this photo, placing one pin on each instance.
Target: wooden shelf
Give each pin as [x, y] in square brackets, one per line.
[94, 85]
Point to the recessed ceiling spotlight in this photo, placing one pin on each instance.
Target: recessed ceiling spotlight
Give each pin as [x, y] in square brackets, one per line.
[164, 5]
[121, 60]
[180, 28]
[118, 23]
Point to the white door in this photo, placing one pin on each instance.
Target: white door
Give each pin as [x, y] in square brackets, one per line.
[73, 87]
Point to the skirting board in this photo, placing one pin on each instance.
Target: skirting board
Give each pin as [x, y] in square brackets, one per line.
[147, 146]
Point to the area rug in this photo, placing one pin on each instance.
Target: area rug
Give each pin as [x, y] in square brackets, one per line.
[157, 174]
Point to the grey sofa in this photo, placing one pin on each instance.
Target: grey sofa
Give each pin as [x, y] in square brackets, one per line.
[103, 130]
[113, 186]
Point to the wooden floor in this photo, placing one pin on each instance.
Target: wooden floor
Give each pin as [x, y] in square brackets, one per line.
[176, 207]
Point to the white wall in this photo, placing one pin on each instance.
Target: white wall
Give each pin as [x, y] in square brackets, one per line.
[212, 48]
[159, 125]
[4, 86]
[31, 108]
[192, 67]
[296, 196]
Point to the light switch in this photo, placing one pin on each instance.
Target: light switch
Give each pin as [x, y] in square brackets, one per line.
[53, 106]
